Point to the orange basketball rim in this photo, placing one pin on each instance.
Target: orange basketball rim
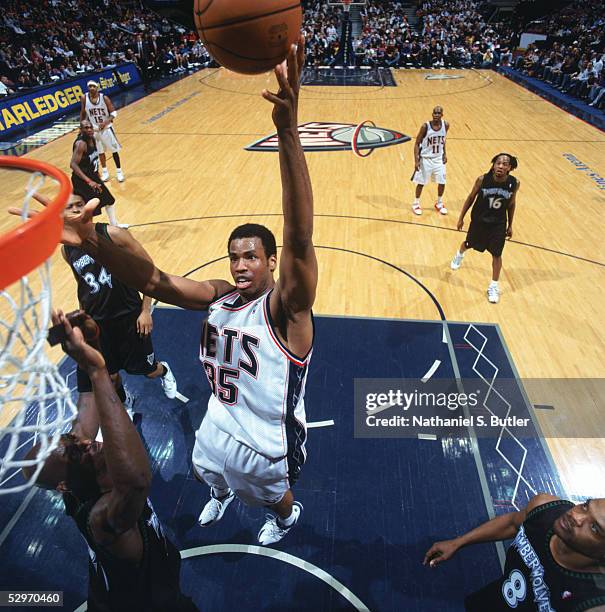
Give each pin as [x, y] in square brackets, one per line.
[30, 244]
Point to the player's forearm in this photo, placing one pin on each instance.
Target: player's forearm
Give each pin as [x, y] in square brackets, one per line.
[467, 205]
[125, 455]
[78, 172]
[131, 263]
[146, 305]
[502, 527]
[297, 193]
[511, 214]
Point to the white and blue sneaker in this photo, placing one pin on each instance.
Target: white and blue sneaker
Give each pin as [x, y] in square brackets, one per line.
[272, 531]
[168, 382]
[213, 511]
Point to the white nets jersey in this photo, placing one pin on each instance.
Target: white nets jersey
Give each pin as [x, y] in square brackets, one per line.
[96, 112]
[257, 385]
[433, 142]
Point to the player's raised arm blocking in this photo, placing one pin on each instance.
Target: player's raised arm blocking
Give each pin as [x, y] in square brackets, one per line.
[117, 250]
[295, 291]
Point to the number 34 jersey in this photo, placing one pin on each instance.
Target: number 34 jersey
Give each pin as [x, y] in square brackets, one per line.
[100, 294]
[257, 385]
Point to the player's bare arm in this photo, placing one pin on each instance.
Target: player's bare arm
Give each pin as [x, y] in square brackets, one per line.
[502, 527]
[113, 518]
[447, 127]
[110, 109]
[511, 211]
[82, 108]
[419, 139]
[293, 298]
[125, 257]
[145, 320]
[469, 202]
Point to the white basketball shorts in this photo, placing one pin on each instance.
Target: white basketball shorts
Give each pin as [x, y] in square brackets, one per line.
[430, 170]
[223, 462]
[106, 141]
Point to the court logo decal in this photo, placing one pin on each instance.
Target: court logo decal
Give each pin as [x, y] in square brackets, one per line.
[320, 136]
[442, 77]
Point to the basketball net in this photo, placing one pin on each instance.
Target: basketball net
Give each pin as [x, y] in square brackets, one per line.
[346, 5]
[35, 402]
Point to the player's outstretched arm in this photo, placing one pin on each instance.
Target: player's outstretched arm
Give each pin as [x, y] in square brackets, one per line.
[502, 527]
[116, 513]
[125, 257]
[298, 265]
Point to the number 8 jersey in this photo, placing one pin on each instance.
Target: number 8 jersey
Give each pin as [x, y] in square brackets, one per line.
[257, 385]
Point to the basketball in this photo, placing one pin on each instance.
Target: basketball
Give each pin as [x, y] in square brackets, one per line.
[248, 36]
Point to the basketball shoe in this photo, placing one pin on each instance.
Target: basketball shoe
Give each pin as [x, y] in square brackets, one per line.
[213, 511]
[441, 208]
[416, 209]
[273, 531]
[168, 382]
[493, 294]
[120, 175]
[457, 260]
[105, 175]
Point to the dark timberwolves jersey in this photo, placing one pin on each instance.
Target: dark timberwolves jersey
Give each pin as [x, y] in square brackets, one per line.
[89, 162]
[532, 579]
[100, 294]
[493, 200]
[117, 585]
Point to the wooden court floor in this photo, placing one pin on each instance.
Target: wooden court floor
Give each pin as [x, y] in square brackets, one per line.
[189, 181]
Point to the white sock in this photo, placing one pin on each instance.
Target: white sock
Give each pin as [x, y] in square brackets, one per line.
[111, 213]
[416, 201]
[440, 201]
[287, 522]
[494, 284]
[459, 254]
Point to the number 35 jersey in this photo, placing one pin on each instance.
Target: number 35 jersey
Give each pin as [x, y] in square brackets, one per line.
[100, 294]
[492, 202]
[257, 385]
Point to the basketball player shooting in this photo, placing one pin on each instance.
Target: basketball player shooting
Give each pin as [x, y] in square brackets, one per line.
[258, 337]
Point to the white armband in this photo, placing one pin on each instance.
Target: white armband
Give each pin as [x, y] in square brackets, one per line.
[114, 114]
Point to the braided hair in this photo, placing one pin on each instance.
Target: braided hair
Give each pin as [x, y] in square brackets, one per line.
[511, 158]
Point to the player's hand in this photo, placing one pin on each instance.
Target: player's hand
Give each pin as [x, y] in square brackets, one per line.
[95, 186]
[460, 224]
[144, 323]
[509, 232]
[417, 166]
[77, 225]
[439, 552]
[285, 101]
[444, 158]
[87, 357]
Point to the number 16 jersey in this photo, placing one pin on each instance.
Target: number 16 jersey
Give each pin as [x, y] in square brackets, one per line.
[257, 384]
[492, 202]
